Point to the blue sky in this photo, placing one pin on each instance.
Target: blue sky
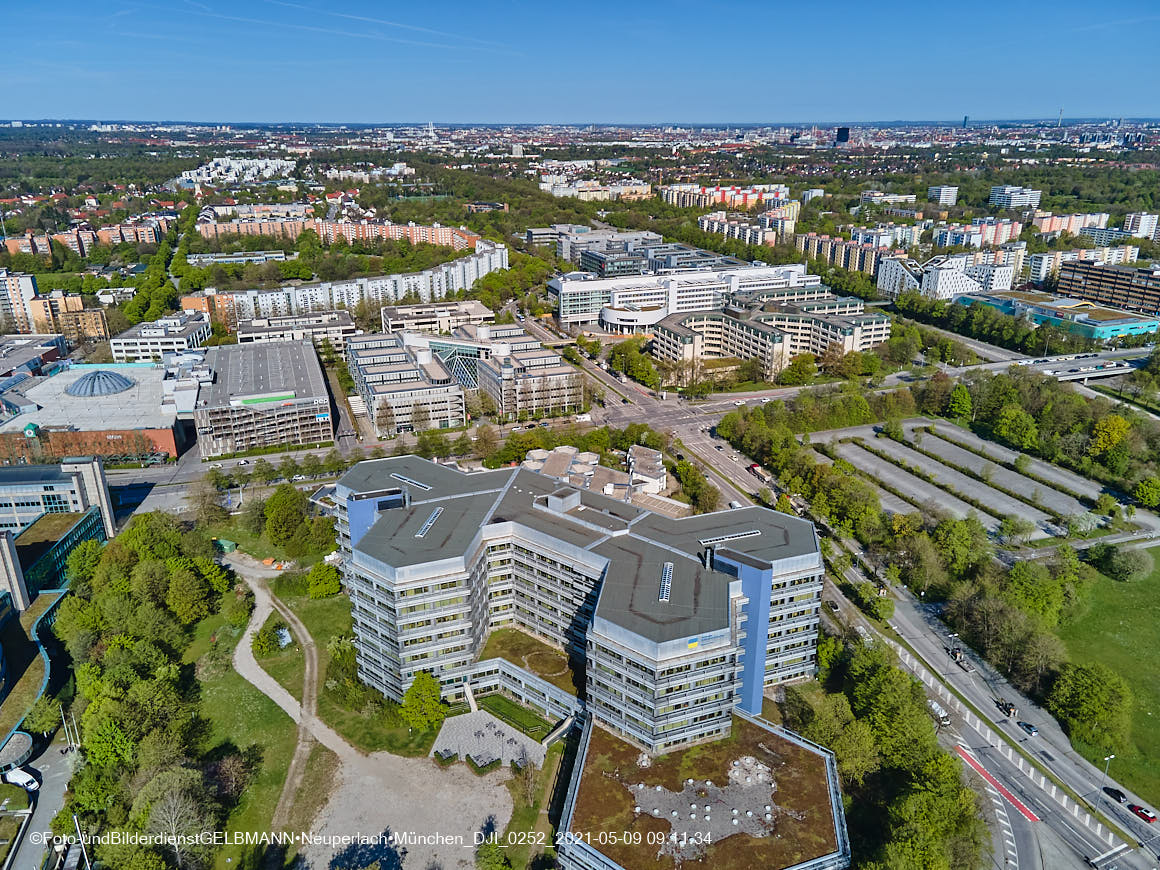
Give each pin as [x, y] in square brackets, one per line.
[590, 62]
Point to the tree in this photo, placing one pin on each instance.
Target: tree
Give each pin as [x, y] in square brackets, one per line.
[206, 501]
[288, 468]
[82, 562]
[188, 597]
[285, 513]
[178, 817]
[490, 856]
[1128, 566]
[44, 716]
[486, 442]
[1017, 427]
[959, 406]
[420, 417]
[1093, 703]
[254, 515]
[324, 581]
[265, 472]
[311, 465]
[422, 707]
[1014, 529]
[1147, 492]
[1107, 433]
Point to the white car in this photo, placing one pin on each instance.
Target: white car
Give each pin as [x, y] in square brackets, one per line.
[22, 778]
[766, 400]
[739, 402]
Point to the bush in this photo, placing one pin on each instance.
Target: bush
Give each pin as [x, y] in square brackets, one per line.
[291, 584]
[323, 581]
[238, 608]
[265, 641]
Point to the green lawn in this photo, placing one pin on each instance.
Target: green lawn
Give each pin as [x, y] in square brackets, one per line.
[1121, 629]
[25, 666]
[241, 715]
[255, 545]
[324, 618]
[527, 818]
[522, 649]
[371, 734]
[287, 666]
[516, 715]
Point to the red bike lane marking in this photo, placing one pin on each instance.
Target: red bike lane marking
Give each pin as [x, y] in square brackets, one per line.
[1011, 799]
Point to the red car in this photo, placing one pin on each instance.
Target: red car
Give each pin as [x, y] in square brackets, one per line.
[1143, 812]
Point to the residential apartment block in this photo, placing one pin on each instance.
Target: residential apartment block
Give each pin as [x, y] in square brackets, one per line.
[259, 395]
[17, 291]
[943, 194]
[699, 196]
[1044, 265]
[429, 285]
[1142, 226]
[768, 229]
[1105, 236]
[677, 621]
[66, 314]
[333, 326]
[290, 228]
[152, 340]
[530, 383]
[980, 232]
[442, 317]
[1047, 223]
[1010, 196]
[855, 256]
[888, 235]
[636, 304]
[1115, 286]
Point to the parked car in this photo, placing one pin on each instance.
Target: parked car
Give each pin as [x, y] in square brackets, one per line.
[24, 779]
[1029, 728]
[1143, 812]
[243, 462]
[1115, 794]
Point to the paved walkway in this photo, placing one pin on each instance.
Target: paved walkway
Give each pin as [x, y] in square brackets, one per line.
[485, 738]
[54, 771]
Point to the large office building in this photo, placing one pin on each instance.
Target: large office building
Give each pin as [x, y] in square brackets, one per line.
[260, 395]
[770, 332]
[1073, 315]
[530, 383]
[429, 285]
[677, 621]
[636, 304]
[151, 341]
[699, 196]
[1010, 196]
[942, 277]
[943, 194]
[333, 326]
[404, 387]
[45, 512]
[441, 317]
[1046, 264]
[1115, 286]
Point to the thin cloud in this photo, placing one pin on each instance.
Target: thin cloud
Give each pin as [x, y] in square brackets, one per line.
[386, 23]
[1108, 25]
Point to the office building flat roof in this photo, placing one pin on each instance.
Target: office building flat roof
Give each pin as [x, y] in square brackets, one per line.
[633, 543]
[261, 370]
[138, 407]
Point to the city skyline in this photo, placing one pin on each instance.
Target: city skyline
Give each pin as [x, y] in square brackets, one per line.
[602, 64]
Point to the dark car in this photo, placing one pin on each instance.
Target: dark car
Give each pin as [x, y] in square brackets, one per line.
[1029, 728]
[1143, 812]
[1115, 794]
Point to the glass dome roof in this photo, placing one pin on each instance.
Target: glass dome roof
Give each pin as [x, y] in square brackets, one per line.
[99, 383]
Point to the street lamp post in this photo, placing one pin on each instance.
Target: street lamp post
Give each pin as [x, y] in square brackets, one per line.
[1107, 761]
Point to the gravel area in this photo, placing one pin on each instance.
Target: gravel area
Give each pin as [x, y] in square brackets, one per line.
[914, 488]
[383, 795]
[485, 738]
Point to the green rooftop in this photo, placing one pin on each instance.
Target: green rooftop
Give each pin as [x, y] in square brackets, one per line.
[38, 538]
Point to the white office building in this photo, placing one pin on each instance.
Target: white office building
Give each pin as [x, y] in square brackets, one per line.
[636, 303]
[1142, 225]
[177, 333]
[1010, 196]
[942, 277]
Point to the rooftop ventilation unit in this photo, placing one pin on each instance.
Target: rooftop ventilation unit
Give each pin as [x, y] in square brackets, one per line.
[429, 523]
[408, 480]
[720, 539]
[666, 581]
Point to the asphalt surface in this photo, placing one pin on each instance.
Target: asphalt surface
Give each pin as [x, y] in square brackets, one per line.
[54, 771]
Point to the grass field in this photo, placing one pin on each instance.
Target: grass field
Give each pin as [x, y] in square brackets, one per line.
[525, 818]
[1121, 629]
[522, 649]
[516, 715]
[242, 716]
[25, 666]
[287, 666]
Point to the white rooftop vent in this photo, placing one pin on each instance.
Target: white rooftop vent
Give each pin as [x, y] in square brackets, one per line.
[666, 581]
[429, 523]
